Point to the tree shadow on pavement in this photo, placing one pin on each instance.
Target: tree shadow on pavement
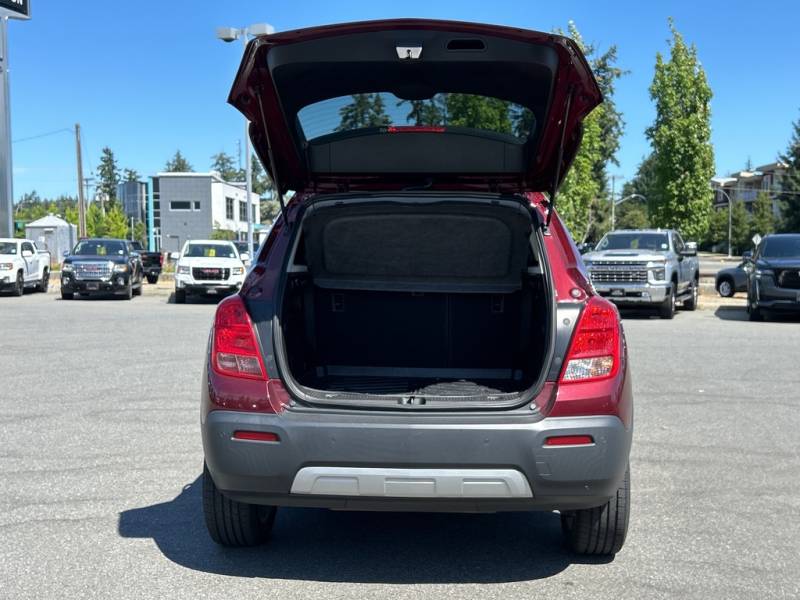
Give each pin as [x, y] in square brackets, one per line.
[364, 547]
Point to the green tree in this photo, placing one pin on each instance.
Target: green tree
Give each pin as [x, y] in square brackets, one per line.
[632, 215]
[364, 110]
[681, 140]
[108, 174]
[225, 165]
[425, 112]
[269, 209]
[479, 112]
[790, 183]
[178, 164]
[131, 175]
[95, 221]
[116, 223]
[218, 233]
[741, 225]
[763, 221]
[262, 185]
[717, 230]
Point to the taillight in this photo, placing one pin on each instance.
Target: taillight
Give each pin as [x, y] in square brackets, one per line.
[595, 349]
[235, 349]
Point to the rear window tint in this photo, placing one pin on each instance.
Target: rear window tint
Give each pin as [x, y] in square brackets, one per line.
[384, 109]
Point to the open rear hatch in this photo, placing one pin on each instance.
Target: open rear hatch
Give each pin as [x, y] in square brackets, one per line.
[415, 102]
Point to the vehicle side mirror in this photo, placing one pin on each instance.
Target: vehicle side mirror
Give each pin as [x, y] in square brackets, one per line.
[244, 256]
[747, 255]
[585, 248]
[174, 255]
[65, 254]
[690, 249]
[27, 254]
[135, 255]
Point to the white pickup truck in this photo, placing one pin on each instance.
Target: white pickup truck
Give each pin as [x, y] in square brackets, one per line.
[23, 265]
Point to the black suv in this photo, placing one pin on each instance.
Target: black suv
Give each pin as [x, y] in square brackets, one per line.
[773, 275]
[102, 266]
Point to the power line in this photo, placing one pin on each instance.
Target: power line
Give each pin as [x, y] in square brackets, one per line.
[42, 135]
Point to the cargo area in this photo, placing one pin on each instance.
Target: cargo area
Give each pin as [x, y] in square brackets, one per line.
[417, 300]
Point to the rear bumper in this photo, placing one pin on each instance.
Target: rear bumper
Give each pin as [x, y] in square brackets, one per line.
[427, 463]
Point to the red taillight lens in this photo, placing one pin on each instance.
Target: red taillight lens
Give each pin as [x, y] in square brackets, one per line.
[569, 440]
[235, 350]
[595, 349]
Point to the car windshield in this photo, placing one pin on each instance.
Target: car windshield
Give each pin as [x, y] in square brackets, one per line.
[781, 246]
[654, 242]
[385, 110]
[100, 248]
[210, 250]
[8, 247]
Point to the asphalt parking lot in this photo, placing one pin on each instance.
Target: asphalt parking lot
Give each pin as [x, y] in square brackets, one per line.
[101, 453]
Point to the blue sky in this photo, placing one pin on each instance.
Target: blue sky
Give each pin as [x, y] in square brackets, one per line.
[149, 77]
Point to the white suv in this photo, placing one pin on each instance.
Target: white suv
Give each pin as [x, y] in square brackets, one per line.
[208, 267]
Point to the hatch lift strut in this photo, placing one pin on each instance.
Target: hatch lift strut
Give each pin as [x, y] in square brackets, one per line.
[559, 159]
[274, 171]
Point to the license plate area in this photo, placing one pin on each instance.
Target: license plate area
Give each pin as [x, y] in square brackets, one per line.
[617, 292]
[93, 286]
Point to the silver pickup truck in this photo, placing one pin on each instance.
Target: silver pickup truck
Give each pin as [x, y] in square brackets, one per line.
[646, 267]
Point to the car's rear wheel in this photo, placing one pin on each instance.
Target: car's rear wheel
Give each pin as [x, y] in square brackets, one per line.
[691, 302]
[152, 279]
[232, 523]
[600, 530]
[19, 288]
[180, 296]
[726, 289]
[667, 308]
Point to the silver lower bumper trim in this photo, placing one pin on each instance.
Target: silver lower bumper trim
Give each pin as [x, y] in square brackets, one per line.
[411, 483]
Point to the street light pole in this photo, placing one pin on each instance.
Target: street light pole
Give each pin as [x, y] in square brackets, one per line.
[722, 181]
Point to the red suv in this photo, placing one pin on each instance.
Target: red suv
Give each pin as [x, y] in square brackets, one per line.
[418, 331]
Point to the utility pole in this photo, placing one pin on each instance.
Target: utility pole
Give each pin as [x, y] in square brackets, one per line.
[6, 171]
[613, 201]
[81, 200]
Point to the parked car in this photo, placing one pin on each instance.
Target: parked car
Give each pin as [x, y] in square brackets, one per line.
[102, 266]
[208, 267]
[731, 280]
[23, 265]
[418, 331]
[152, 262]
[646, 267]
[773, 276]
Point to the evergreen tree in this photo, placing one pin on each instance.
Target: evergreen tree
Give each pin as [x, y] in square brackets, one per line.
[763, 221]
[741, 225]
[632, 215]
[108, 174]
[790, 183]
[479, 112]
[681, 140]
[131, 175]
[178, 164]
[364, 110]
[425, 112]
[225, 165]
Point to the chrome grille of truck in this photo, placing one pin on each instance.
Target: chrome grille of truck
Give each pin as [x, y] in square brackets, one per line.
[92, 270]
[619, 272]
[210, 274]
[788, 278]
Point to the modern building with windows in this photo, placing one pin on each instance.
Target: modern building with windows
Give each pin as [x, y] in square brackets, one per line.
[745, 186]
[133, 197]
[192, 205]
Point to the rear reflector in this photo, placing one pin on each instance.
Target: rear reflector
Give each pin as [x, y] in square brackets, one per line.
[256, 436]
[235, 350]
[595, 349]
[569, 440]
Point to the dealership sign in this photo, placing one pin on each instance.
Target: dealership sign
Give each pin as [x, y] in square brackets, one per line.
[16, 9]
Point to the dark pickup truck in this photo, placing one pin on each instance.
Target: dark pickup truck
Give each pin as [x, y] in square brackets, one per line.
[151, 261]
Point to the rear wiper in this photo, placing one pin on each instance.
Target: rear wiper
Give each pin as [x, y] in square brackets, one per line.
[560, 157]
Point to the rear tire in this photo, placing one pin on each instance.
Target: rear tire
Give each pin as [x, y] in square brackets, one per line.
[180, 296]
[691, 302]
[600, 531]
[667, 308]
[44, 283]
[726, 289]
[231, 523]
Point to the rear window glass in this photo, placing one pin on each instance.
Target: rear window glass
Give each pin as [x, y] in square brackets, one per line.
[384, 109]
